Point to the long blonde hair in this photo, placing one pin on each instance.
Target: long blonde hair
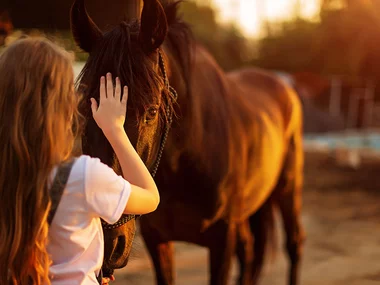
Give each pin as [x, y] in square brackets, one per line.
[37, 108]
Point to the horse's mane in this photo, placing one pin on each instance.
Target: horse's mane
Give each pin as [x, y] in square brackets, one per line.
[180, 38]
[209, 117]
[206, 126]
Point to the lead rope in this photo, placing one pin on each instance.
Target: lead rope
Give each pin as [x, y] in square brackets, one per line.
[169, 120]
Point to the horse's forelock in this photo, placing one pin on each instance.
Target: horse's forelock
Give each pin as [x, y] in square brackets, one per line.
[119, 53]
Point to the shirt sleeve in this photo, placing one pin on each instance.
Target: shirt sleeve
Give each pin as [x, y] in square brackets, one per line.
[106, 192]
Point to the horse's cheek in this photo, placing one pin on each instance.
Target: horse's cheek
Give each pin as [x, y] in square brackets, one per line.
[117, 246]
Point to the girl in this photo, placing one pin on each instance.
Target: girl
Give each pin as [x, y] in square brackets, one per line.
[38, 108]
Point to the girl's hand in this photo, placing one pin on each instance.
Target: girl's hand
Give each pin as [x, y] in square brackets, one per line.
[111, 113]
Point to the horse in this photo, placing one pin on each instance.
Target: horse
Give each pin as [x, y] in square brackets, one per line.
[233, 154]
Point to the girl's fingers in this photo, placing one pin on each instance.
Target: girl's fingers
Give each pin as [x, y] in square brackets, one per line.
[103, 94]
[125, 95]
[117, 90]
[109, 86]
[94, 106]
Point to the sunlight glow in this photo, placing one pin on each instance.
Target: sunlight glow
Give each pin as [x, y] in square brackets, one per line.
[251, 14]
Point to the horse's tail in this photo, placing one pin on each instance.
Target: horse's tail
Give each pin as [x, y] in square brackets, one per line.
[264, 232]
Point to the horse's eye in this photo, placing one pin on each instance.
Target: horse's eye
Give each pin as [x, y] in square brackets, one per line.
[151, 114]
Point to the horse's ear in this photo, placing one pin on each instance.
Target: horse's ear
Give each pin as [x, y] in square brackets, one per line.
[86, 33]
[154, 26]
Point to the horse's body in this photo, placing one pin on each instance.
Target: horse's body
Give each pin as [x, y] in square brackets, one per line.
[235, 148]
[240, 134]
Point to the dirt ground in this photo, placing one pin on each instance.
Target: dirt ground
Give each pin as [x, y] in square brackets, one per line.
[341, 214]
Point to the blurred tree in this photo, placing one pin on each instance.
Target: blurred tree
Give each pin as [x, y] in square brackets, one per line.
[344, 42]
[290, 46]
[225, 42]
[350, 38]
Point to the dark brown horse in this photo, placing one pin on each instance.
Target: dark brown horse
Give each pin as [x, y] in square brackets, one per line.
[234, 151]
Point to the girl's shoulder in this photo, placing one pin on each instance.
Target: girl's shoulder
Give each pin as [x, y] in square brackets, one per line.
[85, 168]
[94, 172]
[91, 166]
[105, 192]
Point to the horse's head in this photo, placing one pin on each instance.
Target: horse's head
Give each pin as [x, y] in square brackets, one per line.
[130, 51]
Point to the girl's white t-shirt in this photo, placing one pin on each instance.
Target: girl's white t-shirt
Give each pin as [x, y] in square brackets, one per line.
[76, 242]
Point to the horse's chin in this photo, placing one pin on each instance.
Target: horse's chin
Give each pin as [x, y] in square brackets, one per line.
[117, 247]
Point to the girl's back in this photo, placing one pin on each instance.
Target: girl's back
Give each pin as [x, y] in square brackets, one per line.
[75, 235]
[38, 116]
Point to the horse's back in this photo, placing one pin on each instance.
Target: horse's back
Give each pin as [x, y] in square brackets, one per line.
[274, 112]
[265, 92]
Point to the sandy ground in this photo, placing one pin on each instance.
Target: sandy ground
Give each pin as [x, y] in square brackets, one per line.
[342, 219]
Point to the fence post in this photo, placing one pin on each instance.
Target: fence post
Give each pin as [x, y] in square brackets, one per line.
[335, 96]
[353, 107]
[369, 104]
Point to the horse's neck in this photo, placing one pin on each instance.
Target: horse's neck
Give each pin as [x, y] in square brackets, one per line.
[204, 85]
[204, 111]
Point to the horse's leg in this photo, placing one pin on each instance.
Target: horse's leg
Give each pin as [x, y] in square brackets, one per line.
[161, 253]
[245, 253]
[263, 232]
[289, 198]
[221, 241]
